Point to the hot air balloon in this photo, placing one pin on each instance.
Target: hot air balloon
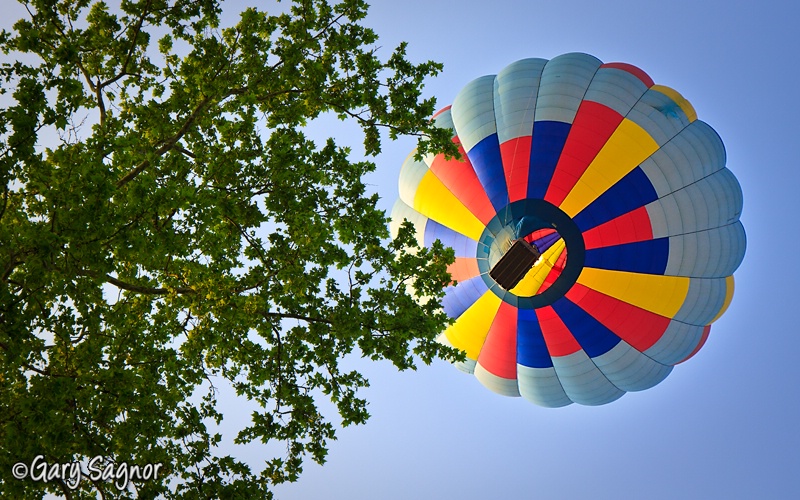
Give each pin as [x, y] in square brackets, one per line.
[595, 226]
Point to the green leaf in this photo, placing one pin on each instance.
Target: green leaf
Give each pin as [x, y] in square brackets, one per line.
[167, 231]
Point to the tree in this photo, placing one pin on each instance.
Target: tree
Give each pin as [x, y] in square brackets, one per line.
[166, 227]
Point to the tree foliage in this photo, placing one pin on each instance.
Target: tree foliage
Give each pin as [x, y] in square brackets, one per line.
[166, 227]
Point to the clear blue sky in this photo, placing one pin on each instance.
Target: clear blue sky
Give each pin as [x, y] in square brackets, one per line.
[722, 425]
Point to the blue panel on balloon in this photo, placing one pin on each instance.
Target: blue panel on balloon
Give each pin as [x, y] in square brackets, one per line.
[648, 257]
[547, 142]
[488, 165]
[631, 192]
[531, 348]
[461, 245]
[459, 298]
[593, 337]
[546, 242]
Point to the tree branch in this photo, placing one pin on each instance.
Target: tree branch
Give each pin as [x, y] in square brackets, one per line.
[371, 122]
[32, 368]
[100, 102]
[12, 264]
[146, 290]
[308, 319]
[124, 68]
[5, 202]
[169, 144]
[185, 151]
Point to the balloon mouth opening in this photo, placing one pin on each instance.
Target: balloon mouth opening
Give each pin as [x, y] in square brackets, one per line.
[532, 263]
[515, 264]
[523, 253]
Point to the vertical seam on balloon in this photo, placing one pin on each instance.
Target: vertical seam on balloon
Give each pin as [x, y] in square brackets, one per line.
[499, 152]
[532, 98]
[571, 130]
[668, 141]
[673, 320]
[488, 332]
[496, 313]
[660, 145]
[695, 182]
[472, 148]
[717, 313]
[446, 187]
[734, 221]
[549, 353]
[624, 117]
[615, 333]
[533, 125]
[584, 350]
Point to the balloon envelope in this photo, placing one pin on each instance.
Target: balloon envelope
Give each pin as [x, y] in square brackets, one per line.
[595, 226]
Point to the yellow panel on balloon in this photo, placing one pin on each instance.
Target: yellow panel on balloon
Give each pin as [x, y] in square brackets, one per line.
[627, 147]
[469, 331]
[663, 295]
[533, 279]
[436, 202]
[728, 297]
[681, 101]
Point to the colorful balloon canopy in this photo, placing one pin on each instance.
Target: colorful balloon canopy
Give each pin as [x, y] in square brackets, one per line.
[595, 226]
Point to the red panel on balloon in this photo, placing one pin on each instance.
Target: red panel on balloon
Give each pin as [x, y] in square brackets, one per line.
[440, 111]
[555, 272]
[593, 125]
[559, 340]
[627, 228]
[635, 71]
[460, 178]
[700, 344]
[638, 327]
[516, 155]
[499, 353]
[538, 234]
